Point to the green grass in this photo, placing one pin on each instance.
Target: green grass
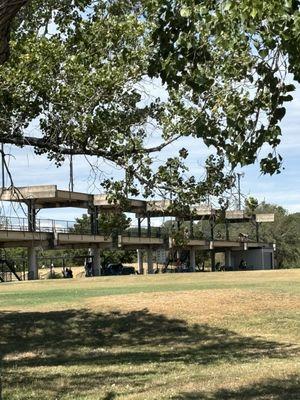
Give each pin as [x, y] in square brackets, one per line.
[58, 292]
[180, 337]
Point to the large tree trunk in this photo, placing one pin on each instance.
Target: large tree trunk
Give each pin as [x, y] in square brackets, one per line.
[8, 9]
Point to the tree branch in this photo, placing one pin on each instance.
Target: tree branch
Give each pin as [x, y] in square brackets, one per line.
[44, 144]
[162, 145]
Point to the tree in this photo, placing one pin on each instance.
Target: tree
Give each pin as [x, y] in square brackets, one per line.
[8, 10]
[226, 62]
[82, 82]
[284, 232]
[109, 224]
[79, 68]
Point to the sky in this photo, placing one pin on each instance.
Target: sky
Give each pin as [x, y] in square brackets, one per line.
[282, 189]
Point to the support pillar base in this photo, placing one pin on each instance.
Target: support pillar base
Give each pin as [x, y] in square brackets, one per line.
[33, 271]
[140, 261]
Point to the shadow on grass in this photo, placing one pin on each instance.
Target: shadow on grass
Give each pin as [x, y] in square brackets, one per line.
[275, 389]
[80, 338]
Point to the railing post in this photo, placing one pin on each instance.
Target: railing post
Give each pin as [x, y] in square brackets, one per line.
[148, 226]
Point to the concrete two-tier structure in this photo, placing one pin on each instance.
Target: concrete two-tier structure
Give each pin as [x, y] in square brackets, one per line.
[33, 236]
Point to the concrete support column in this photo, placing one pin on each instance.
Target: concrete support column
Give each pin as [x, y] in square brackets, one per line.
[96, 261]
[33, 271]
[213, 260]
[193, 259]
[228, 258]
[140, 261]
[149, 261]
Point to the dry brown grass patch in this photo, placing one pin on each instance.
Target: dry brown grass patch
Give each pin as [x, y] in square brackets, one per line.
[207, 306]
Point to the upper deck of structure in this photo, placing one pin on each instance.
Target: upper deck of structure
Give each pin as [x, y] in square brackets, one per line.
[49, 196]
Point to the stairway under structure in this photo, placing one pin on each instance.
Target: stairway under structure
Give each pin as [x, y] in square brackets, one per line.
[8, 271]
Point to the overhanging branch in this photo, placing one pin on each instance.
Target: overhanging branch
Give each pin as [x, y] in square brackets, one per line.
[43, 144]
[47, 145]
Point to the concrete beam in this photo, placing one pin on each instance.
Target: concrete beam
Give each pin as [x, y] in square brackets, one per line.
[28, 192]
[69, 238]
[140, 241]
[132, 205]
[198, 243]
[47, 196]
[160, 206]
[24, 236]
[61, 204]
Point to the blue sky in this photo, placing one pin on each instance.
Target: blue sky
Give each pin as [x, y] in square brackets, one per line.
[282, 189]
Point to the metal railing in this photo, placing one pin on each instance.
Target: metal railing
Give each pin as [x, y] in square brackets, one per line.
[65, 226]
[42, 225]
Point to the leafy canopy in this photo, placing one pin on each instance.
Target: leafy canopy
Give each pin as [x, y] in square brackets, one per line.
[81, 68]
[227, 62]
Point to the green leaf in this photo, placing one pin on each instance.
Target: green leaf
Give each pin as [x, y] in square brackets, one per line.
[185, 12]
[279, 113]
[254, 12]
[263, 53]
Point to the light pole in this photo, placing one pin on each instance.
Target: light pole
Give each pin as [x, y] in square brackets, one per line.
[239, 176]
[3, 165]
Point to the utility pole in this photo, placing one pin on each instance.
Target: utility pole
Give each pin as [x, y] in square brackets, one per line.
[3, 165]
[71, 182]
[239, 176]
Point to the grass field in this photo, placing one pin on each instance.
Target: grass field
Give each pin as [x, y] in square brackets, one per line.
[173, 336]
